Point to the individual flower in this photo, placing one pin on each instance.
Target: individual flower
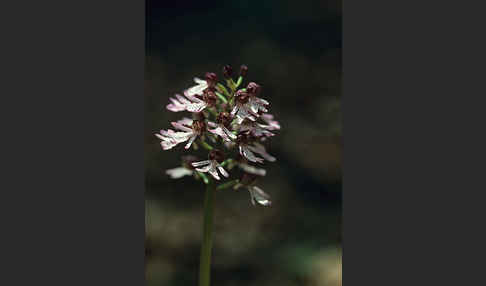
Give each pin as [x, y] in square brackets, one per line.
[212, 165]
[211, 79]
[197, 89]
[185, 170]
[256, 194]
[247, 168]
[190, 129]
[221, 127]
[243, 70]
[242, 110]
[209, 97]
[248, 105]
[256, 104]
[256, 129]
[227, 71]
[260, 149]
[197, 98]
[259, 196]
[190, 103]
[272, 124]
[248, 147]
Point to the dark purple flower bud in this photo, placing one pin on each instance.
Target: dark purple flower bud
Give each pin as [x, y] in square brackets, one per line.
[243, 70]
[199, 126]
[253, 88]
[242, 96]
[224, 118]
[188, 160]
[210, 97]
[224, 106]
[216, 155]
[199, 116]
[247, 179]
[243, 138]
[211, 79]
[227, 71]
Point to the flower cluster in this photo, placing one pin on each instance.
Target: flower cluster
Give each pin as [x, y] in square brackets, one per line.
[231, 118]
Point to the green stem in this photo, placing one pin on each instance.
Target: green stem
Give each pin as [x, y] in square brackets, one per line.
[205, 260]
[231, 84]
[223, 89]
[213, 112]
[226, 162]
[203, 177]
[223, 99]
[240, 79]
[206, 145]
[227, 185]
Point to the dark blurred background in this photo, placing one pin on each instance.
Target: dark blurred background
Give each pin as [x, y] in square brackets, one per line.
[293, 50]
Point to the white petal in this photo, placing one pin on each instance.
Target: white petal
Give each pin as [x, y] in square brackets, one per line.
[229, 133]
[218, 131]
[261, 100]
[204, 169]
[258, 148]
[185, 121]
[180, 126]
[259, 196]
[201, 163]
[235, 109]
[196, 107]
[175, 106]
[198, 89]
[190, 141]
[199, 81]
[192, 97]
[182, 99]
[268, 118]
[212, 124]
[223, 171]
[252, 170]
[244, 151]
[213, 172]
[178, 172]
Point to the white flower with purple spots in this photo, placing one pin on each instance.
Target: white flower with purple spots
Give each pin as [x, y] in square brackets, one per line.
[197, 89]
[256, 129]
[212, 165]
[259, 196]
[248, 105]
[247, 150]
[222, 131]
[271, 124]
[189, 131]
[247, 168]
[190, 102]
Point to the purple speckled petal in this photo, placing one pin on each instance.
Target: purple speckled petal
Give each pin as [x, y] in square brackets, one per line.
[246, 152]
[260, 149]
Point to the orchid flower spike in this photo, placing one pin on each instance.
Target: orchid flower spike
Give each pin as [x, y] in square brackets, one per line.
[231, 122]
